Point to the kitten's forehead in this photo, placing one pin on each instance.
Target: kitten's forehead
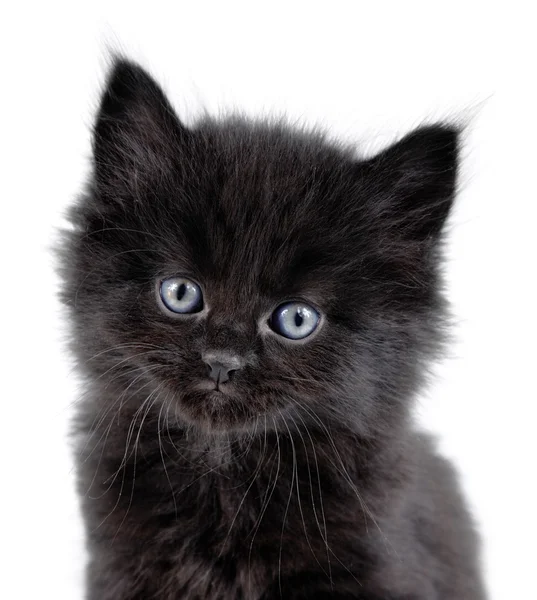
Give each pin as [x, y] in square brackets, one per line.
[264, 225]
[270, 216]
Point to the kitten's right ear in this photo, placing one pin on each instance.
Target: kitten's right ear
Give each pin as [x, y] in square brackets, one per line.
[137, 134]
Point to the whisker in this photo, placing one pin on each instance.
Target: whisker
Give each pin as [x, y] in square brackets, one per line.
[343, 471]
[325, 536]
[327, 546]
[283, 524]
[136, 443]
[94, 428]
[242, 500]
[162, 455]
[125, 457]
[296, 479]
[265, 502]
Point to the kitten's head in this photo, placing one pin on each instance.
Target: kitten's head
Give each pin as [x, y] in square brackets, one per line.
[237, 272]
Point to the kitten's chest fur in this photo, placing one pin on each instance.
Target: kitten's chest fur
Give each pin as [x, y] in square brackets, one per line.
[225, 519]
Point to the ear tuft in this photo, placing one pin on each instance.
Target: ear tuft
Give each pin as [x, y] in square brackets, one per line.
[127, 85]
[135, 135]
[416, 178]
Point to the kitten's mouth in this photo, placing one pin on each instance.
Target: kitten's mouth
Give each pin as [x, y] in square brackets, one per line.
[219, 389]
[214, 407]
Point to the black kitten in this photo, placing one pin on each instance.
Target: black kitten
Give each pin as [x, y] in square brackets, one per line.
[253, 309]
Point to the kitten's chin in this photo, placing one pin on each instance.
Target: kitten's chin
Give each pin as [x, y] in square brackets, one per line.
[215, 410]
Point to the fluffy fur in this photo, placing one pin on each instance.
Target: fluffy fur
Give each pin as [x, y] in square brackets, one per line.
[306, 478]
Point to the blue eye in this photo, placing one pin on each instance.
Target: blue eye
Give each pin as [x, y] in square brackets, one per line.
[294, 320]
[181, 295]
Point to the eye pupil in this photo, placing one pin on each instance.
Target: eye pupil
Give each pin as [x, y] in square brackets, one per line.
[181, 290]
[299, 319]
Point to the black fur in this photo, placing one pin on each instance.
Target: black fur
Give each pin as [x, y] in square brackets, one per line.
[306, 479]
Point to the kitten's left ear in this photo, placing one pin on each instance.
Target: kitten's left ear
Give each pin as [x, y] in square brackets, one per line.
[415, 182]
[136, 136]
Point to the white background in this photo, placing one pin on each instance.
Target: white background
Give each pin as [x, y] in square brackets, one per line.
[367, 71]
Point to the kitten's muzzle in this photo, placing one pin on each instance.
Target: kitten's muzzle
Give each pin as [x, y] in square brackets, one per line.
[221, 365]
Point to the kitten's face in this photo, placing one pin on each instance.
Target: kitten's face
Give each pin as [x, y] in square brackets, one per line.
[235, 273]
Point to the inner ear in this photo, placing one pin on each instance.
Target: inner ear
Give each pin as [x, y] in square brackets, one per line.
[414, 182]
[137, 135]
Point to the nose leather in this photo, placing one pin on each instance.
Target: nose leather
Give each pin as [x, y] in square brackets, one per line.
[221, 365]
[219, 372]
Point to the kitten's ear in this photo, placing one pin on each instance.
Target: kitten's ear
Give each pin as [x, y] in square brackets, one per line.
[415, 181]
[136, 135]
